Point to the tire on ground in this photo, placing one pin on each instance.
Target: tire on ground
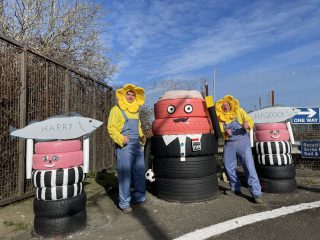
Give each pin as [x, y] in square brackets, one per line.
[209, 146]
[273, 159]
[147, 154]
[50, 227]
[192, 167]
[276, 172]
[278, 186]
[187, 190]
[58, 177]
[60, 208]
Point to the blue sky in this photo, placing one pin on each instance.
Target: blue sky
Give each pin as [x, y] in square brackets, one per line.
[255, 46]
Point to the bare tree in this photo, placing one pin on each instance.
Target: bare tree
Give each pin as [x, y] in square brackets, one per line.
[146, 114]
[66, 30]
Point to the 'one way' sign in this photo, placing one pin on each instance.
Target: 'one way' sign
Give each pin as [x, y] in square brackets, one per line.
[307, 116]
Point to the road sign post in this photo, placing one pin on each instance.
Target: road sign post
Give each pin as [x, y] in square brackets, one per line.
[307, 116]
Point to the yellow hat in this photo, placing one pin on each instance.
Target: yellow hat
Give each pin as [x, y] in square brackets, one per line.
[234, 107]
[138, 100]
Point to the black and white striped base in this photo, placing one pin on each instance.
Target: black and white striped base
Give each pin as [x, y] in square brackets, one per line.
[59, 192]
[280, 147]
[59, 177]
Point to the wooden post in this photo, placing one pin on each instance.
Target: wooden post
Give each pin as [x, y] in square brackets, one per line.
[260, 102]
[22, 121]
[67, 91]
[272, 98]
[107, 161]
[94, 140]
[47, 89]
[207, 88]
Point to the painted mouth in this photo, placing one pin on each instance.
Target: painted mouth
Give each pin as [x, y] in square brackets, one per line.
[180, 119]
[49, 166]
[275, 134]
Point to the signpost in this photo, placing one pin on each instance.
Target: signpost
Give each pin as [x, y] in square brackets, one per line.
[310, 149]
[307, 116]
[273, 114]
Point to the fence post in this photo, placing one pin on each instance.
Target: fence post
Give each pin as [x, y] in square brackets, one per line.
[67, 90]
[47, 89]
[94, 140]
[22, 121]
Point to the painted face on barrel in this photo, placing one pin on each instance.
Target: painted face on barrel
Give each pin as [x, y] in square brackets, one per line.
[275, 133]
[187, 108]
[174, 116]
[50, 162]
[180, 110]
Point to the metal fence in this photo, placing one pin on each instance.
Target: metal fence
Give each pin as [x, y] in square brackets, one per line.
[305, 132]
[34, 87]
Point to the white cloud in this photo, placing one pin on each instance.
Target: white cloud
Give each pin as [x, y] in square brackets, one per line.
[232, 37]
[162, 39]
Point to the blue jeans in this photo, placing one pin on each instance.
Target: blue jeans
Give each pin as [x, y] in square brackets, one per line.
[241, 149]
[130, 162]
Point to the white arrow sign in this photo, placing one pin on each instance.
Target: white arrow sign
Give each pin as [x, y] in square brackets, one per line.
[310, 113]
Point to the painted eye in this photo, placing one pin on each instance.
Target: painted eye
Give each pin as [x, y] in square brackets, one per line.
[270, 131]
[277, 131]
[171, 109]
[55, 158]
[188, 108]
[45, 158]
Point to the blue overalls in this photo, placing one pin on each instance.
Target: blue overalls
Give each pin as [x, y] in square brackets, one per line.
[238, 147]
[130, 162]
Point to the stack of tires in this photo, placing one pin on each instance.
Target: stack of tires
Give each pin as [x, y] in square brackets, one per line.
[60, 202]
[183, 149]
[273, 158]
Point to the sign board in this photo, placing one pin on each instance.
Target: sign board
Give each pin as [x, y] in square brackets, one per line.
[307, 116]
[58, 127]
[310, 149]
[273, 114]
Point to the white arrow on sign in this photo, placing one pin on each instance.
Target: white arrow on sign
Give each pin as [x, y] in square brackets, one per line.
[310, 112]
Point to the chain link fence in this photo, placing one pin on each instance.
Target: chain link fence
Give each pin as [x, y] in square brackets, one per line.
[34, 87]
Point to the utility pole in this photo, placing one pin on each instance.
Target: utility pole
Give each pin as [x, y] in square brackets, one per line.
[272, 98]
[206, 88]
[214, 84]
[260, 102]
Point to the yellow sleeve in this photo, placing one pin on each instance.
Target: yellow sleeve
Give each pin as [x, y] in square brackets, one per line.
[246, 118]
[221, 127]
[225, 136]
[115, 125]
[140, 129]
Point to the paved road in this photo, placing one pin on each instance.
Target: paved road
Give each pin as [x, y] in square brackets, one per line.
[165, 220]
[303, 225]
